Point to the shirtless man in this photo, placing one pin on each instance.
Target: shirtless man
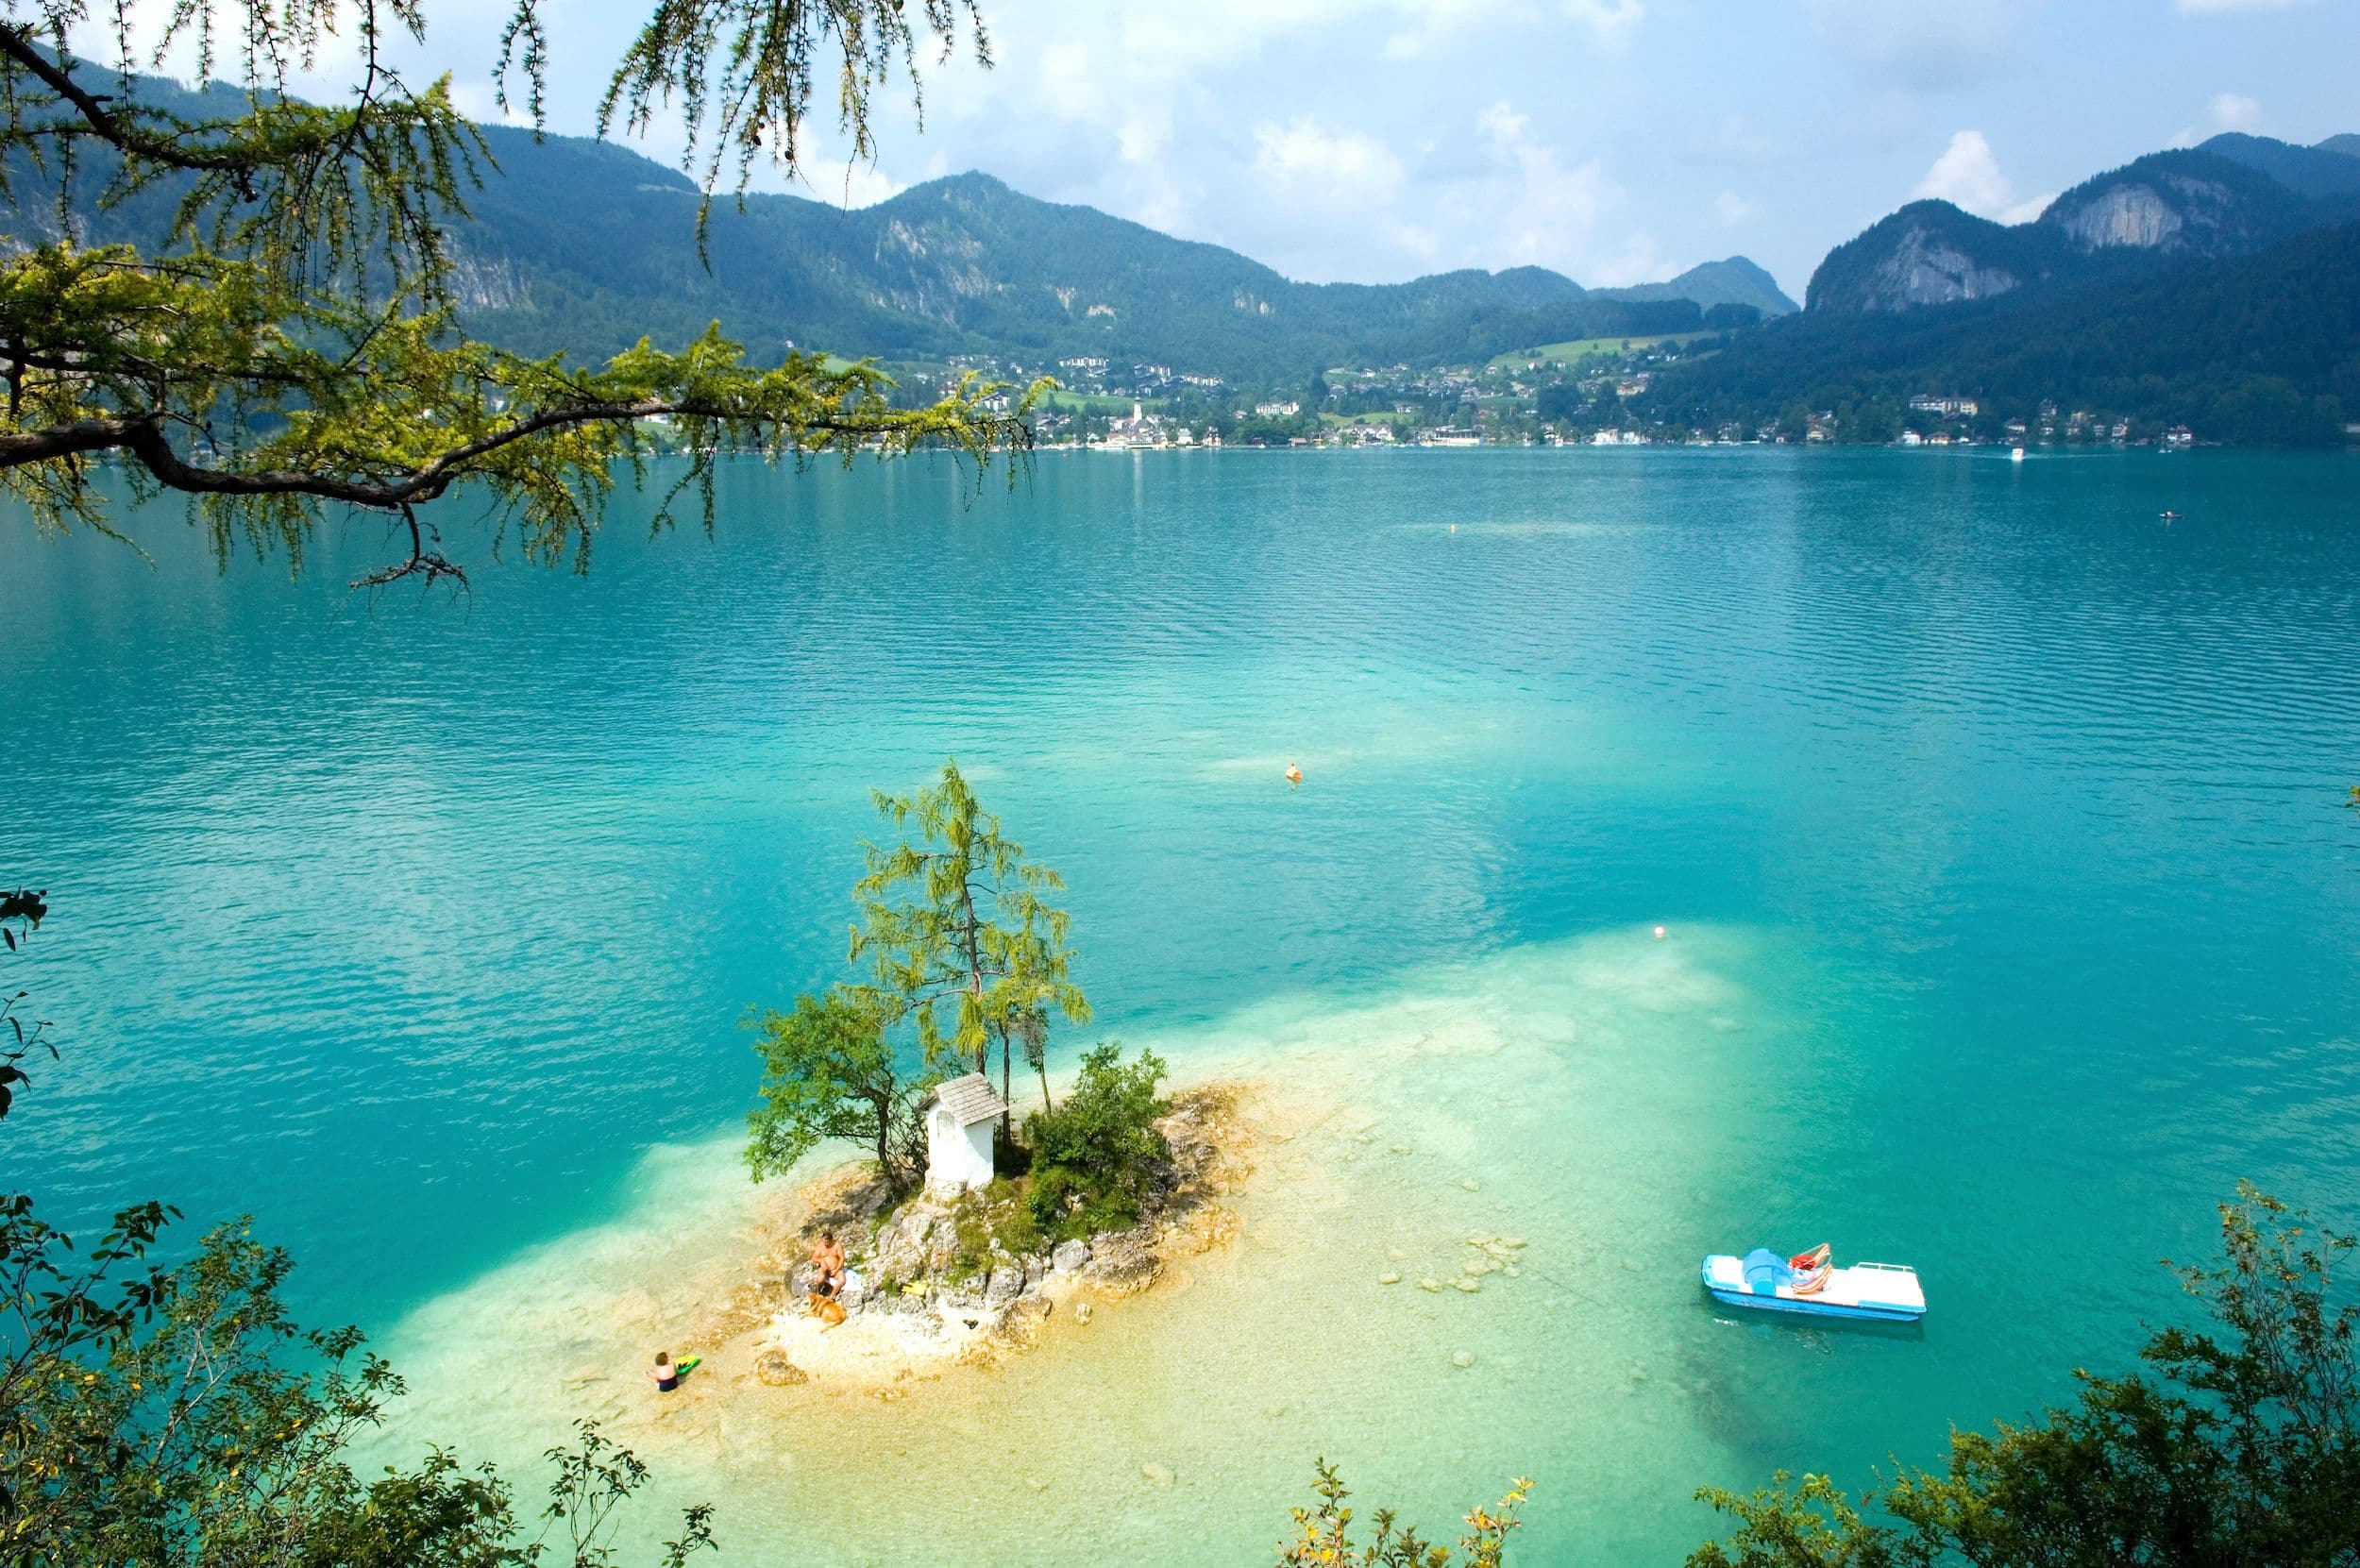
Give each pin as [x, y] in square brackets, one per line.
[827, 1258]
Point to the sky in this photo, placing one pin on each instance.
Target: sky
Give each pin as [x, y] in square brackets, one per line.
[1615, 141]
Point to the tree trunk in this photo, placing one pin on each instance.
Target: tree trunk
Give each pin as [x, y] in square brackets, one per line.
[1007, 1117]
[885, 1142]
[974, 971]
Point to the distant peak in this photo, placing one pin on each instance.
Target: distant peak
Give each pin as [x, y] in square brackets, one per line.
[971, 180]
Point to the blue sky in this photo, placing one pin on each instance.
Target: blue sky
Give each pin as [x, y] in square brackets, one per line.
[1616, 141]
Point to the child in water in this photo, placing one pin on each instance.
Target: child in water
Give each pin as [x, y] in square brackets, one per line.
[666, 1376]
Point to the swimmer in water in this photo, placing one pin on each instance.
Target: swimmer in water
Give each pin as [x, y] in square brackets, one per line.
[1294, 776]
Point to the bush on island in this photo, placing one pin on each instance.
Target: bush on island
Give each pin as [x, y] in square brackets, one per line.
[1097, 1157]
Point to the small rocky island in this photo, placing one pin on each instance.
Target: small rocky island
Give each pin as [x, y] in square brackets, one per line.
[940, 1279]
[968, 1229]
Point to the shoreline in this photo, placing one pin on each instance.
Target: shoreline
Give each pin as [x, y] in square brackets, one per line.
[764, 1355]
[1394, 1131]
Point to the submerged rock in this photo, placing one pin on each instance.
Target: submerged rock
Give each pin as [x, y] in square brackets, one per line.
[1429, 1285]
[1155, 1473]
[776, 1372]
[1124, 1261]
[1462, 1358]
[1468, 1282]
[1388, 1277]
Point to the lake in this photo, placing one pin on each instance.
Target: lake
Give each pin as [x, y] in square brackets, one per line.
[1996, 828]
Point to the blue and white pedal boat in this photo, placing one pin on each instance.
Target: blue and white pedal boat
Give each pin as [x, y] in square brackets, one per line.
[1762, 1281]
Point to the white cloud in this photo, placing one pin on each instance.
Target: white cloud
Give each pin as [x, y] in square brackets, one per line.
[1305, 160]
[1542, 208]
[1733, 138]
[2227, 112]
[1438, 26]
[1611, 20]
[1918, 43]
[1635, 260]
[852, 184]
[1733, 210]
[1967, 174]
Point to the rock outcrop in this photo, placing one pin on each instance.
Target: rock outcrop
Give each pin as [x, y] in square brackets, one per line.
[2162, 209]
[931, 1283]
[1929, 253]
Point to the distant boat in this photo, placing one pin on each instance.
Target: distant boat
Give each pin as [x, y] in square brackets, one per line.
[1763, 1280]
[2015, 454]
[2171, 516]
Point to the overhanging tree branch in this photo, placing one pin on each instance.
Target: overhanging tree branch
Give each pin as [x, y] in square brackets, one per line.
[17, 44]
[290, 343]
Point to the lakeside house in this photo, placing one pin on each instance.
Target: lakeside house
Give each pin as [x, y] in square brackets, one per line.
[1141, 431]
[1947, 407]
[960, 1115]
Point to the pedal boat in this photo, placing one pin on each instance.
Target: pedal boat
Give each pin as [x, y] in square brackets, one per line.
[1764, 1281]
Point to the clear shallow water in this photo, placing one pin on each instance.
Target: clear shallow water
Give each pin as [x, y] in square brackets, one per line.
[1996, 826]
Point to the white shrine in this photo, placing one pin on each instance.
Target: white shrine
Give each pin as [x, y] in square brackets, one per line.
[959, 1116]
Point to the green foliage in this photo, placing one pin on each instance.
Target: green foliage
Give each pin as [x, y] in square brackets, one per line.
[268, 327]
[2242, 1448]
[1786, 1526]
[178, 1416]
[957, 933]
[1096, 1157]
[20, 915]
[2261, 349]
[1323, 1537]
[757, 90]
[830, 1071]
[991, 1227]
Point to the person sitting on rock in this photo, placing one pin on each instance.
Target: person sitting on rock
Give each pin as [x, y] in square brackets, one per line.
[664, 1373]
[827, 1263]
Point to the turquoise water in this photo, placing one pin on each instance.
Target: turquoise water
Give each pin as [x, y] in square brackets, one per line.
[1994, 824]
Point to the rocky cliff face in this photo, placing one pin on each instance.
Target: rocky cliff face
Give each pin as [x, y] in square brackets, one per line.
[1927, 269]
[1929, 253]
[2180, 204]
[2165, 208]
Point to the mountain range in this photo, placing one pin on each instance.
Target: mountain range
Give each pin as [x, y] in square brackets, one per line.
[2231, 196]
[584, 245]
[2216, 286]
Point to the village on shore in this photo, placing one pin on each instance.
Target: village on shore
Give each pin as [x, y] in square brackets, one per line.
[1591, 393]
